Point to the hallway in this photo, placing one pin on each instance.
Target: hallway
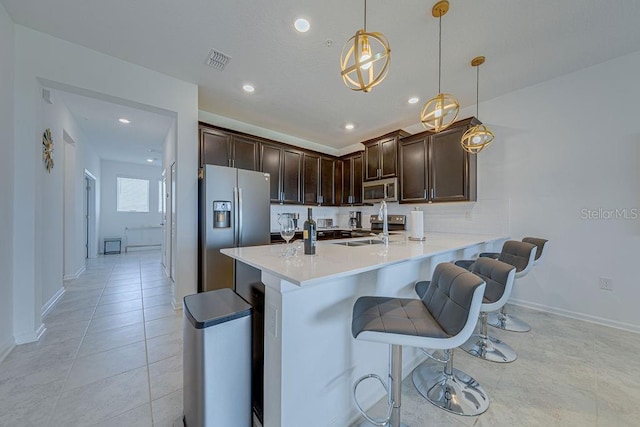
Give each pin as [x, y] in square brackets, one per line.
[111, 355]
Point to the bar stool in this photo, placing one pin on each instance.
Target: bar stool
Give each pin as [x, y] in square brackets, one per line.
[443, 318]
[499, 277]
[502, 319]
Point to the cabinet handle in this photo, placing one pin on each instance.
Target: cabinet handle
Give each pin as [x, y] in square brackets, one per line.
[432, 194]
[425, 194]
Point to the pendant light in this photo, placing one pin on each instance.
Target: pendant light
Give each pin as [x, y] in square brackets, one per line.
[478, 137]
[365, 57]
[442, 110]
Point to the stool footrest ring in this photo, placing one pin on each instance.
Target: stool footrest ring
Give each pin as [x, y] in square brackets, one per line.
[373, 421]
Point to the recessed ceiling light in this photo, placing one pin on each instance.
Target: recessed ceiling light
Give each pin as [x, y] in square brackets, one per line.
[123, 120]
[150, 160]
[248, 88]
[302, 25]
[349, 126]
[414, 100]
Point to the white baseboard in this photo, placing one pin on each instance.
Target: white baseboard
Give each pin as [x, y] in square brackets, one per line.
[74, 275]
[5, 348]
[49, 304]
[575, 315]
[28, 337]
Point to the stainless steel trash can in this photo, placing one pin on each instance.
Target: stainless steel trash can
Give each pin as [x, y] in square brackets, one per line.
[217, 360]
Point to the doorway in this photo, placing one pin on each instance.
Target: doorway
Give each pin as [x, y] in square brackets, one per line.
[91, 248]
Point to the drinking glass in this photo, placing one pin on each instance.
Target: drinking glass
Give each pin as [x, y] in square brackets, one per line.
[287, 231]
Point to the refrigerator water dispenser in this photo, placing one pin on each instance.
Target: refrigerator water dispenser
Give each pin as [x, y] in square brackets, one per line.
[221, 214]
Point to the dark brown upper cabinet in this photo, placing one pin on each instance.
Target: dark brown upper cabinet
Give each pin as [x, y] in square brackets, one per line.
[381, 156]
[318, 180]
[285, 167]
[226, 149]
[352, 179]
[435, 168]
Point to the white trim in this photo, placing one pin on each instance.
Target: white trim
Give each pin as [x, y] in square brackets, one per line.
[74, 275]
[5, 348]
[575, 315]
[86, 172]
[49, 304]
[27, 338]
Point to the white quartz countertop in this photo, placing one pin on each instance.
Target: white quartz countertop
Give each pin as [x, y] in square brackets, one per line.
[333, 260]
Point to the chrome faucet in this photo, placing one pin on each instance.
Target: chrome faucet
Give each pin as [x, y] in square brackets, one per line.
[384, 236]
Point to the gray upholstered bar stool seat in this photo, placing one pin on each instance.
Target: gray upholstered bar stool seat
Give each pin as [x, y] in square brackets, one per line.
[499, 278]
[443, 318]
[502, 319]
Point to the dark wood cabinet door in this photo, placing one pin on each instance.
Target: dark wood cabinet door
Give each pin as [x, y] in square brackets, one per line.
[327, 173]
[245, 153]
[413, 170]
[357, 178]
[337, 182]
[270, 161]
[449, 167]
[372, 161]
[347, 181]
[311, 175]
[388, 158]
[291, 176]
[215, 148]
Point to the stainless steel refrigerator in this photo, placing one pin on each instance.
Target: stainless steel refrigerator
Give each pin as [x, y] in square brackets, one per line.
[234, 212]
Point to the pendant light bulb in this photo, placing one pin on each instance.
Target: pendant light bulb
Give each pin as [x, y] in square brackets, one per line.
[478, 137]
[365, 53]
[442, 110]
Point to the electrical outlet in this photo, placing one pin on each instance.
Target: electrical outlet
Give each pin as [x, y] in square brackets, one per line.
[606, 284]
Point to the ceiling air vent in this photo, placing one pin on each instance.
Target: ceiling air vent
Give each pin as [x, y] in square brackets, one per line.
[217, 60]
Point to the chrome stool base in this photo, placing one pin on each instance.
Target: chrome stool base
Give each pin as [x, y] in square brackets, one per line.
[368, 424]
[507, 322]
[457, 392]
[489, 348]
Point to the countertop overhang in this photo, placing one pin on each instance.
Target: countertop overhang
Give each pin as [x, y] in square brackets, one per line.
[333, 261]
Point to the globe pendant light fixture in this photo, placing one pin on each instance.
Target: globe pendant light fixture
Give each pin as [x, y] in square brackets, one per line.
[365, 57]
[442, 110]
[478, 137]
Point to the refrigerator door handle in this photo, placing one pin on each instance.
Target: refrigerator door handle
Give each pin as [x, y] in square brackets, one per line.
[235, 216]
[239, 216]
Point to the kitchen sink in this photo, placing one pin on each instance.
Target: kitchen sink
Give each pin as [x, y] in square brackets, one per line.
[360, 242]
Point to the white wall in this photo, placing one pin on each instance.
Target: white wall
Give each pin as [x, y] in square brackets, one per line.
[112, 222]
[562, 146]
[72, 66]
[6, 181]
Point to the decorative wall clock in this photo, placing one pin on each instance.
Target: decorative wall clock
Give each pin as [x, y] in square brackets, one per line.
[47, 150]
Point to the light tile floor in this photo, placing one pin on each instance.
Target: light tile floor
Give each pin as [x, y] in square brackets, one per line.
[112, 356]
[568, 373]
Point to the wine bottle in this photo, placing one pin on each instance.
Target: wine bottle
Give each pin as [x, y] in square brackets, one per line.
[309, 235]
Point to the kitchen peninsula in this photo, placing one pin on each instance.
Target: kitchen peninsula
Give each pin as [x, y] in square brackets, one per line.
[311, 360]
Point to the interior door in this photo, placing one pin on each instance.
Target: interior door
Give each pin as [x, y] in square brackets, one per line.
[172, 231]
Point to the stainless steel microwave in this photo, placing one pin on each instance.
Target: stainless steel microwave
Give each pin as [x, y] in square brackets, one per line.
[377, 191]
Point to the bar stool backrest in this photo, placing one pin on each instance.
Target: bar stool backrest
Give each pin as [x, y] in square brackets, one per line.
[541, 244]
[450, 295]
[521, 255]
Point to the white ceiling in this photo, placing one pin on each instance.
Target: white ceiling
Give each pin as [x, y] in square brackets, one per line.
[298, 86]
[135, 142]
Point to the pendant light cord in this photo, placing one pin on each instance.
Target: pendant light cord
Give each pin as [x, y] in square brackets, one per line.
[477, 91]
[365, 16]
[439, 51]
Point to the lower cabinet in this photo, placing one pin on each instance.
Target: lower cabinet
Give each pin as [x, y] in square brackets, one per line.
[435, 168]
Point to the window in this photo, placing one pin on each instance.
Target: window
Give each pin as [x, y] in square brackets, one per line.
[132, 195]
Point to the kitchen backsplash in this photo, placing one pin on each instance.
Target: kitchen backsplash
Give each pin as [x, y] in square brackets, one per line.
[481, 217]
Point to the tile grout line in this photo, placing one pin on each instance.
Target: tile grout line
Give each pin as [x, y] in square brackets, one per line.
[75, 356]
[146, 348]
